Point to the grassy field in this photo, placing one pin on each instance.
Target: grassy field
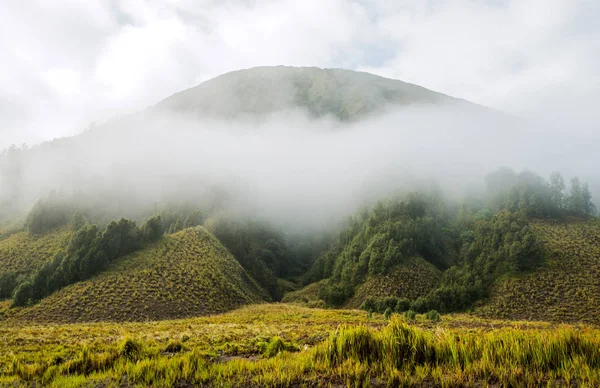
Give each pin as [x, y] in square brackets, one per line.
[287, 345]
[185, 274]
[566, 289]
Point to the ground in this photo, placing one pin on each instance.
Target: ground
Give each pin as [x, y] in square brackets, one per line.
[265, 344]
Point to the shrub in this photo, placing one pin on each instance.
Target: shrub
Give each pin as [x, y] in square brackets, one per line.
[402, 305]
[419, 305]
[410, 314]
[433, 315]
[388, 313]
[23, 294]
[368, 305]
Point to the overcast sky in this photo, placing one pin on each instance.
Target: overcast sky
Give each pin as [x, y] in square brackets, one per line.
[67, 63]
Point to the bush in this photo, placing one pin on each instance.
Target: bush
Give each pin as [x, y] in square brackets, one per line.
[433, 315]
[388, 313]
[23, 294]
[402, 305]
[410, 314]
[419, 305]
[368, 305]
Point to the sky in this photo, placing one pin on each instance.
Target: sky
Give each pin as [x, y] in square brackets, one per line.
[68, 63]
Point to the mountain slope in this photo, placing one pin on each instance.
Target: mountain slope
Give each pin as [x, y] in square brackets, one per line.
[566, 289]
[185, 274]
[261, 91]
[21, 253]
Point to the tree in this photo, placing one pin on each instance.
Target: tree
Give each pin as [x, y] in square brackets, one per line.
[23, 294]
[77, 222]
[588, 206]
[152, 229]
[557, 186]
[575, 202]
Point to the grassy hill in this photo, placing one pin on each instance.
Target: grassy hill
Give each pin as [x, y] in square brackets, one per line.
[414, 279]
[411, 280]
[259, 91]
[566, 288]
[185, 274]
[21, 253]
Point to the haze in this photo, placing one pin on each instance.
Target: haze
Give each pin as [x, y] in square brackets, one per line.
[69, 65]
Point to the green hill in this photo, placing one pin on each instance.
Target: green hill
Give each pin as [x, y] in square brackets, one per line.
[566, 288]
[411, 280]
[260, 91]
[21, 253]
[185, 274]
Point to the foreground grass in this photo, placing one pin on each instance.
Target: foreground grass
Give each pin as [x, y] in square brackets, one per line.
[285, 345]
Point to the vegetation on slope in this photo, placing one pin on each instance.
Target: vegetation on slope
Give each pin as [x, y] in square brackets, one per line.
[473, 246]
[22, 253]
[279, 345]
[89, 252]
[261, 249]
[261, 91]
[185, 274]
[412, 280]
[566, 288]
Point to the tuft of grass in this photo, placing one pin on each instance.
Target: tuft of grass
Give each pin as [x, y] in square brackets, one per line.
[174, 347]
[131, 349]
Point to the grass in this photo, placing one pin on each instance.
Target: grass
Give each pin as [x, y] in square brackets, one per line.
[185, 274]
[290, 345]
[566, 289]
[22, 252]
[410, 280]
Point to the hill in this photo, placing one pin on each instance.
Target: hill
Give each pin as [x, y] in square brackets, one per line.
[566, 288]
[261, 91]
[21, 253]
[411, 280]
[185, 274]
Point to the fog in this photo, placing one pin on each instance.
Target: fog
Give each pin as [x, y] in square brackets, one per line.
[289, 168]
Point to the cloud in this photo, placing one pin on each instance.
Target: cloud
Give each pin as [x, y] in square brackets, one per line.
[70, 63]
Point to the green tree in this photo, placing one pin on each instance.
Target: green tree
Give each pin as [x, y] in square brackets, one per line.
[77, 222]
[557, 187]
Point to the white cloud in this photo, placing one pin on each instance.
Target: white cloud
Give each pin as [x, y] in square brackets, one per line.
[68, 63]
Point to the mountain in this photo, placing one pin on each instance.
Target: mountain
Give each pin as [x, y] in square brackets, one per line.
[185, 274]
[261, 91]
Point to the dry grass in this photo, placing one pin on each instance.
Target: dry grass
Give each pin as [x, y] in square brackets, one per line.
[288, 345]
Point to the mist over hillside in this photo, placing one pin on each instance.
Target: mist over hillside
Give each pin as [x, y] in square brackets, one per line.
[307, 148]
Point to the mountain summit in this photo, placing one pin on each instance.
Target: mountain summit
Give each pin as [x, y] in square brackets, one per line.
[260, 91]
